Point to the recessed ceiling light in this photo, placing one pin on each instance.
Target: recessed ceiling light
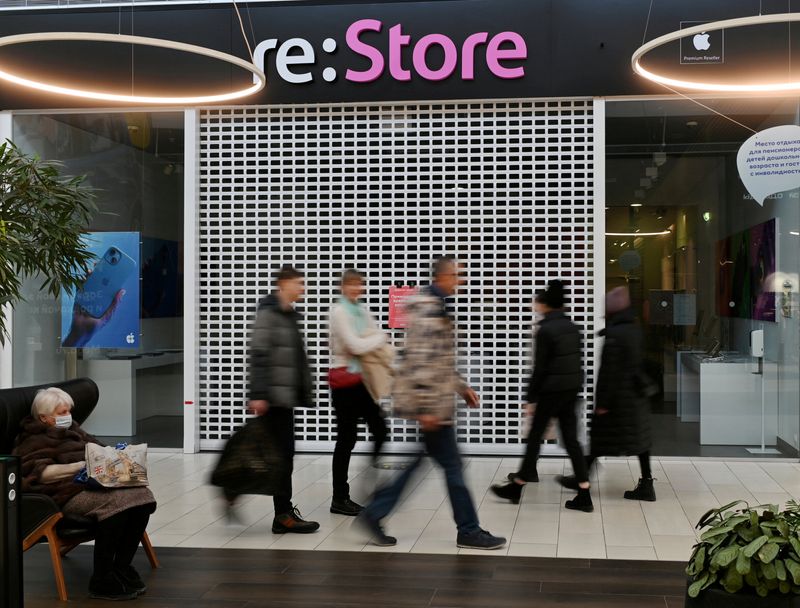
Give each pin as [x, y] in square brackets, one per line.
[795, 233]
[637, 233]
[636, 204]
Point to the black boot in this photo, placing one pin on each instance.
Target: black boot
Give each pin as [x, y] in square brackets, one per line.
[293, 522]
[131, 579]
[345, 506]
[109, 587]
[582, 502]
[644, 491]
[511, 491]
[533, 478]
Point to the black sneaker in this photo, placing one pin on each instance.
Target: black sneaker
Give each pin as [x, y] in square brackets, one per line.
[480, 540]
[571, 482]
[131, 579]
[293, 522]
[511, 491]
[378, 537]
[110, 588]
[346, 507]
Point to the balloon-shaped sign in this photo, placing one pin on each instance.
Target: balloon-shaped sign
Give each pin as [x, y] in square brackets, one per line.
[769, 162]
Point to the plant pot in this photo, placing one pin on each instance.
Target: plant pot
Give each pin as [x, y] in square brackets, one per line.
[717, 597]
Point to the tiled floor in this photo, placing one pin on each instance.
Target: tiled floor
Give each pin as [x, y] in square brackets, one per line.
[190, 512]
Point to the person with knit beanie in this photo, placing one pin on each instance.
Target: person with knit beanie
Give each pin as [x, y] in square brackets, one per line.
[554, 387]
[621, 423]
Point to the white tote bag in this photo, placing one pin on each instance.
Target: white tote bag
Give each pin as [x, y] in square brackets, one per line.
[113, 468]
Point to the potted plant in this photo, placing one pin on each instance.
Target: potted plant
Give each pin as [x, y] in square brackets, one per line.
[43, 216]
[746, 557]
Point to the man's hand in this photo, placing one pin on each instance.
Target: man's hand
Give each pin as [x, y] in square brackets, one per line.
[259, 406]
[429, 422]
[529, 409]
[471, 397]
[600, 411]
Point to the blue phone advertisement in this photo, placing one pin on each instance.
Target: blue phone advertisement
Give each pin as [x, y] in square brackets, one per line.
[104, 311]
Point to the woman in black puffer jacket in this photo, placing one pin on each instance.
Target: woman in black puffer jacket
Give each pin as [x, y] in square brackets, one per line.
[621, 423]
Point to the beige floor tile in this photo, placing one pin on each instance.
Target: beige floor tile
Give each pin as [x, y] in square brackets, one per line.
[521, 549]
[645, 553]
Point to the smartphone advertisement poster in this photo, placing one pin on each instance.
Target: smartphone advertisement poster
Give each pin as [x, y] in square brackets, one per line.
[104, 311]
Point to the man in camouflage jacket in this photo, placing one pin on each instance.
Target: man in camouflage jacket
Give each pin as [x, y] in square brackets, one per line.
[425, 388]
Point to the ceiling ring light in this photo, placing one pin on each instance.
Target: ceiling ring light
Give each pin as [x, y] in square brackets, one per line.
[136, 40]
[713, 27]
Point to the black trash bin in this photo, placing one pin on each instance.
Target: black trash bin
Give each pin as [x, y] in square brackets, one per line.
[10, 534]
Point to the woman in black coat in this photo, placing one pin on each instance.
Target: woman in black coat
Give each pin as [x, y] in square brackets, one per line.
[621, 423]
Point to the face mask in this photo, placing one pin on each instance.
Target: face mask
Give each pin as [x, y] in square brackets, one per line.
[64, 422]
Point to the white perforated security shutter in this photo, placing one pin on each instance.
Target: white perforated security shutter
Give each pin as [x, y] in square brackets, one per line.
[506, 186]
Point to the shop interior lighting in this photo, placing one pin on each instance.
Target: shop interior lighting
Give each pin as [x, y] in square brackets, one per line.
[794, 232]
[662, 233]
[727, 24]
[636, 204]
[259, 75]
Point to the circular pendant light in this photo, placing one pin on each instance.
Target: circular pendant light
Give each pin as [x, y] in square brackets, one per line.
[260, 79]
[728, 24]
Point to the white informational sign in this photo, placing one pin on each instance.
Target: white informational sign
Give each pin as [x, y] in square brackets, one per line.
[769, 162]
[684, 309]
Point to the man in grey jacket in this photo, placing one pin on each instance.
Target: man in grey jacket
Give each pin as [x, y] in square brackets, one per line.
[280, 380]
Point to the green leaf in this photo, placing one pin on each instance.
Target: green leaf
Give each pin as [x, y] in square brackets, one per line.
[697, 560]
[743, 564]
[751, 578]
[768, 552]
[709, 534]
[768, 570]
[784, 587]
[726, 556]
[783, 528]
[794, 569]
[795, 544]
[780, 570]
[751, 549]
[694, 588]
[732, 582]
[762, 590]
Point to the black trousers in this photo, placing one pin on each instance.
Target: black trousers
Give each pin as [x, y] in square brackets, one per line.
[280, 423]
[644, 464]
[118, 538]
[562, 407]
[351, 405]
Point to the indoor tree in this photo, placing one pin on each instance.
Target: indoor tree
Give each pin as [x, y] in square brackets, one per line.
[43, 215]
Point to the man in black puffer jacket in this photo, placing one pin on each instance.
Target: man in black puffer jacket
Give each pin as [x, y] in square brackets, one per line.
[554, 387]
[280, 380]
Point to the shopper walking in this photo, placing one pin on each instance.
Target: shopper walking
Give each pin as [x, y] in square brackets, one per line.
[554, 386]
[360, 375]
[621, 425]
[280, 380]
[425, 384]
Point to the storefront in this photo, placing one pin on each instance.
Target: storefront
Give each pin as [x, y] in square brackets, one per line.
[514, 136]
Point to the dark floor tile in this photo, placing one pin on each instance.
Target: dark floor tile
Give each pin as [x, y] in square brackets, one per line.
[314, 595]
[492, 598]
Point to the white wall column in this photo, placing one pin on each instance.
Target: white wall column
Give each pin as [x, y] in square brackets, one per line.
[191, 418]
[6, 358]
[599, 244]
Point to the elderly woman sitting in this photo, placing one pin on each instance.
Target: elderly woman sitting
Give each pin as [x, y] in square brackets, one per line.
[52, 447]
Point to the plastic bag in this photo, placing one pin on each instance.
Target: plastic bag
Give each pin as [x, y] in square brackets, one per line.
[117, 468]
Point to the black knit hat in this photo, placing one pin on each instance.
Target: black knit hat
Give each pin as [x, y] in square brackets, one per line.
[553, 296]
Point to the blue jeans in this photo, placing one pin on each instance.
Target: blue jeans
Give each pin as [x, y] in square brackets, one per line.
[441, 446]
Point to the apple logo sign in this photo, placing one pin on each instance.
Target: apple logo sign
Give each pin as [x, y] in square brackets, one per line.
[130, 338]
[701, 42]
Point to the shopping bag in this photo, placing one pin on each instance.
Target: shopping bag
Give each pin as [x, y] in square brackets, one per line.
[340, 377]
[110, 467]
[250, 463]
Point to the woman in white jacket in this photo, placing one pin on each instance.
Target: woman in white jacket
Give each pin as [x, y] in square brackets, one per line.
[353, 334]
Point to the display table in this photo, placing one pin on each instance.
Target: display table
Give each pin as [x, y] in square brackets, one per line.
[115, 414]
[725, 396]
